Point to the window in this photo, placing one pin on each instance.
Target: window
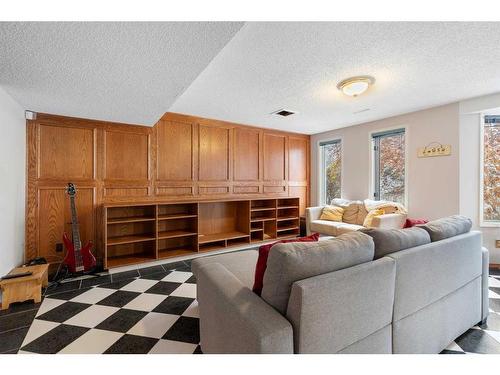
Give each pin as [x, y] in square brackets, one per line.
[389, 165]
[490, 171]
[331, 156]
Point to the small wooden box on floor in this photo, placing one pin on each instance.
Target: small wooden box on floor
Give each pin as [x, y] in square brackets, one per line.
[138, 233]
[24, 288]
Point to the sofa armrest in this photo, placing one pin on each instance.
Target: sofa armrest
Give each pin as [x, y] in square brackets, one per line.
[233, 319]
[485, 306]
[312, 213]
[389, 221]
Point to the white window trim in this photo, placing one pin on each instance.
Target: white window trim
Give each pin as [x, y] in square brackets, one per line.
[321, 176]
[371, 179]
[482, 222]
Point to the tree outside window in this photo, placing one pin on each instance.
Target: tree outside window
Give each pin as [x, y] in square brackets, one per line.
[332, 168]
[491, 169]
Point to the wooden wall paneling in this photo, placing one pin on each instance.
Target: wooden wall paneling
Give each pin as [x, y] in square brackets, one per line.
[302, 193]
[175, 151]
[274, 157]
[298, 170]
[180, 158]
[55, 214]
[298, 159]
[67, 152]
[214, 153]
[246, 146]
[31, 223]
[127, 155]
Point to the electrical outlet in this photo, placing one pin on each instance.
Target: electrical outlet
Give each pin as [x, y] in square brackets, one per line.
[59, 247]
[497, 244]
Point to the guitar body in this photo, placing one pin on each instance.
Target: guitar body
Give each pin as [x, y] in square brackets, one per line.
[78, 259]
[88, 259]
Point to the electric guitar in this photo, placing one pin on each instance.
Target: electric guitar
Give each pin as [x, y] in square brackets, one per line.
[77, 259]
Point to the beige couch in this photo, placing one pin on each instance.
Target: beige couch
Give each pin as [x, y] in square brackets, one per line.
[354, 216]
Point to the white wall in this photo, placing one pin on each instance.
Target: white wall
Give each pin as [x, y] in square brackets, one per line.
[470, 122]
[12, 186]
[433, 183]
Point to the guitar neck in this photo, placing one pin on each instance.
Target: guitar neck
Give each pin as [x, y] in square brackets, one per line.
[75, 228]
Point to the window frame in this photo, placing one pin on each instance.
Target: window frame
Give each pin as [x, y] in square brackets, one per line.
[372, 159]
[483, 223]
[322, 174]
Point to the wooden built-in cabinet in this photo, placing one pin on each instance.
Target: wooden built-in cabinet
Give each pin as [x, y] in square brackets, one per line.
[138, 233]
[181, 158]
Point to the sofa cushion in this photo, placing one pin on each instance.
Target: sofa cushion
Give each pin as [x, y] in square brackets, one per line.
[389, 241]
[332, 213]
[240, 263]
[367, 223]
[352, 214]
[346, 228]
[333, 228]
[324, 227]
[291, 262]
[264, 250]
[447, 227]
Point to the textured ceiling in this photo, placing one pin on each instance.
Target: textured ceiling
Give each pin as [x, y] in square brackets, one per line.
[124, 72]
[135, 72]
[296, 66]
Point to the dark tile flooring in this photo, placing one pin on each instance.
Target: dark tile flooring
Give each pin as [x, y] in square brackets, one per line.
[16, 320]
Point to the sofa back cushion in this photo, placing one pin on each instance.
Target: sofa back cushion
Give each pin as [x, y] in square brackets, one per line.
[389, 241]
[290, 262]
[447, 227]
[332, 213]
[260, 267]
[427, 273]
[354, 213]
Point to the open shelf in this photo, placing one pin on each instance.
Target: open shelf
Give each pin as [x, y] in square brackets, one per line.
[288, 233]
[212, 246]
[281, 229]
[175, 233]
[123, 220]
[120, 240]
[174, 252]
[124, 260]
[206, 238]
[176, 216]
[141, 233]
[130, 214]
[285, 218]
[123, 254]
[288, 202]
[262, 219]
[263, 203]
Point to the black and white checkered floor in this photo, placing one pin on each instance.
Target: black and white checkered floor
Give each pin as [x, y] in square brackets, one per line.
[154, 310]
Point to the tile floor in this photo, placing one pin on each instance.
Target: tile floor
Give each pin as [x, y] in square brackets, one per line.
[150, 310]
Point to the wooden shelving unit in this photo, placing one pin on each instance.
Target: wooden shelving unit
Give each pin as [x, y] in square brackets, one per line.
[139, 233]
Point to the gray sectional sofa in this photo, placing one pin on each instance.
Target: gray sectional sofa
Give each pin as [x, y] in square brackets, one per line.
[357, 293]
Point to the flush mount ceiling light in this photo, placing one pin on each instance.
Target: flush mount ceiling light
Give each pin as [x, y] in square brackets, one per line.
[355, 86]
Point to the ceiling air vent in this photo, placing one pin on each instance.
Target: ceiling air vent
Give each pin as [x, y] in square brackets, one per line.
[283, 113]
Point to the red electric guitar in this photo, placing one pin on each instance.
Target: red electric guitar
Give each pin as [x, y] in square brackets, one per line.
[77, 259]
